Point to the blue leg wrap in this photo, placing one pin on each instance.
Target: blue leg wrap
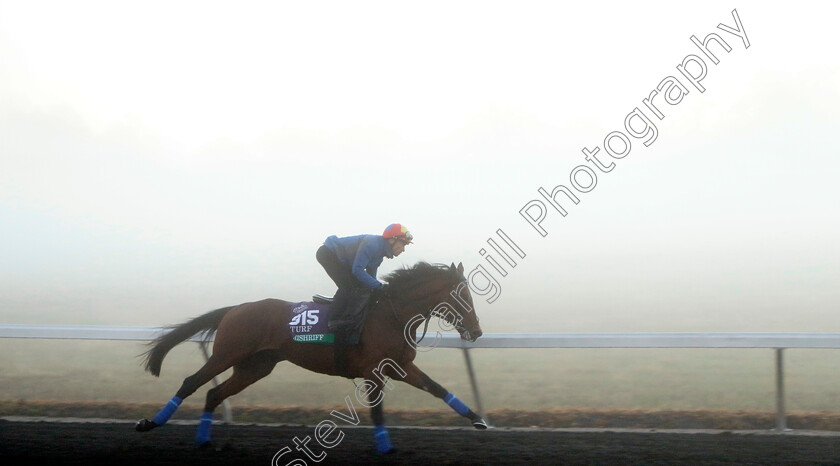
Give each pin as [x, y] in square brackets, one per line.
[383, 440]
[202, 435]
[167, 411]
[456, 404]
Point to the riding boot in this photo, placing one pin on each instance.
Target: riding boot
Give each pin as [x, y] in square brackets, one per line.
[355, 314]
[347, 327]
[338, 308]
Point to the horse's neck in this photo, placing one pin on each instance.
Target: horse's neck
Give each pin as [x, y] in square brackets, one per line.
[420, 306]
[402, 313]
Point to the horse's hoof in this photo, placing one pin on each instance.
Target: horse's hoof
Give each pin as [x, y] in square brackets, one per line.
[145, 425]
[480, 424]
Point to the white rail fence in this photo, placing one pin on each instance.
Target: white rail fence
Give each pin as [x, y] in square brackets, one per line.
[775, 341]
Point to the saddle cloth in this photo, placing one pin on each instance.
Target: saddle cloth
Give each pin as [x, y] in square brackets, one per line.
[308, 323]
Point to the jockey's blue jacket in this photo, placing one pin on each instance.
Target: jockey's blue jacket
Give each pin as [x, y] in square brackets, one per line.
[363, 254]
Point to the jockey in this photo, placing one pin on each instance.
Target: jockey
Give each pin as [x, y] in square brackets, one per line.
[352, 262]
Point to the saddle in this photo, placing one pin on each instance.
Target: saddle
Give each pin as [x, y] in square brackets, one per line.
[321, 299]
[310, 323]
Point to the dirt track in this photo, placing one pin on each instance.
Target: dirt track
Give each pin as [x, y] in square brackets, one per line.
[118, 444]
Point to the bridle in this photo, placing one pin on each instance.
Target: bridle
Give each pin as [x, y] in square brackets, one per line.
[456, 323]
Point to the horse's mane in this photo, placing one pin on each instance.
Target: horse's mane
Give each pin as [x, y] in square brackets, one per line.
[405, 279]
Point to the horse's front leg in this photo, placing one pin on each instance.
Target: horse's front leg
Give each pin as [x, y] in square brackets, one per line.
[419, 379]
[373, 387]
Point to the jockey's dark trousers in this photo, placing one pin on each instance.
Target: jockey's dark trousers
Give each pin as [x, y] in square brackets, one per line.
[349, 301]
[347, 308]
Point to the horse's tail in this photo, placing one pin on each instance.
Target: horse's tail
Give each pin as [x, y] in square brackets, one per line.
[204, 324]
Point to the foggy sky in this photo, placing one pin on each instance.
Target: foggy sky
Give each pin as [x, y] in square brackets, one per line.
[158, 160]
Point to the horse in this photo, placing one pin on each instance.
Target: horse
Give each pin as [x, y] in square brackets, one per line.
[253, 337]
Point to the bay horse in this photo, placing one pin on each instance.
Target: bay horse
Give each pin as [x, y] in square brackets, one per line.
[253, 337]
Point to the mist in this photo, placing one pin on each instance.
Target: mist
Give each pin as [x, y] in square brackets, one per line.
[158, 161]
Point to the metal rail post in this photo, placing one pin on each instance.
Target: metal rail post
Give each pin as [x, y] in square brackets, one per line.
[781, 424]
[474, 384]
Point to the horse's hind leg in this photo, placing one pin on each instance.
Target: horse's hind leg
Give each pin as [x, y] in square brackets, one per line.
[213, 367]
[419, 379]
[374, 385]
[245, 373]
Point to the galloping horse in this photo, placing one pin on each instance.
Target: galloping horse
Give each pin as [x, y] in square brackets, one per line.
[253, 337]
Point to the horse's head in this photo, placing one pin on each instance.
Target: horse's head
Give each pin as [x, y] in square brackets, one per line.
[460, 313]
[436, 290]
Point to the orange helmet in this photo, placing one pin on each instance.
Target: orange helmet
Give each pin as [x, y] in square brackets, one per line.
[395, 230]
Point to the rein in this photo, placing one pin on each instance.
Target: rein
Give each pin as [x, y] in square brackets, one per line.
[426, 318]
[425, 328]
